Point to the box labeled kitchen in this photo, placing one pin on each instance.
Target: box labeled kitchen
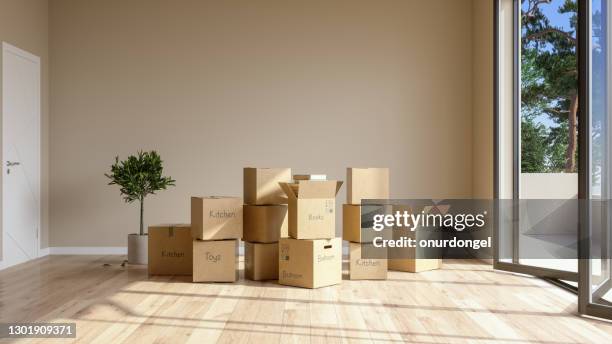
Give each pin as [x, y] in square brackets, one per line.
[364, 268]
[215, 260]
[261, 261]
[261, 185]
[366, 183]
[312, 208]
[358, 223]
[216, 218]
[310, 263]
[265, 223]
[170, 250]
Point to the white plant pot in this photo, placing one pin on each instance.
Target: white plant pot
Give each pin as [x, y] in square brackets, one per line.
[138, 249]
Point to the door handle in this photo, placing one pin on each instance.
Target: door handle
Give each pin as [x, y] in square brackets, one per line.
[10, 164]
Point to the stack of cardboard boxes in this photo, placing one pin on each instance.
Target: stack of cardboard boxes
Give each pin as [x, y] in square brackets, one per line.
[312, 256]
[371, 184]
[216, 227]
[265, 220]
[289, 230]
[207, 249]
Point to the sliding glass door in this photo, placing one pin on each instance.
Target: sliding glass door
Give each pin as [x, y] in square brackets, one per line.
[553, 153]
[537, 152]
[595, 269]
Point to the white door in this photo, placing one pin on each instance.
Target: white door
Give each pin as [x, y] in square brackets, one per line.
[20, 155]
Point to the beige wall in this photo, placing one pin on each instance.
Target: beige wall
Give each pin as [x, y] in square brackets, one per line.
[24, 24]
[482, 99]
[218, 85]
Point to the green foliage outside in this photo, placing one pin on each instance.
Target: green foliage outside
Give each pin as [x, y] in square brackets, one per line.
[549, 94]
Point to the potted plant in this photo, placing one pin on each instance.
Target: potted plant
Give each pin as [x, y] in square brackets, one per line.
[139, 176]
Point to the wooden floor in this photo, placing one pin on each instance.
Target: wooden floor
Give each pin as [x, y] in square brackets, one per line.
[466, 302]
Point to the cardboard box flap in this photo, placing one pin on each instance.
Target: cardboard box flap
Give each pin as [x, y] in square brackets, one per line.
[318, 189]
[288, 190]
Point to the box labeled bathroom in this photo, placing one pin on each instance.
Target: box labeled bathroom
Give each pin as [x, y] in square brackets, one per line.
[366, 183]
[364, 268]
[261, 261]
[312, 208]
[265, 223]
[310, 263]
[216, 218]
[215, 260]
[261, 185]
[363, 223]
[170, 250]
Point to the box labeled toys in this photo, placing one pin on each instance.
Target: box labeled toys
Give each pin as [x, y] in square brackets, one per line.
[265, 223]
[366, 183]
[365, 268]
[312, 208]
[310, 263]
[261, 185]
[261, 261]
[215, 260]
[216, 218]
[170, 250]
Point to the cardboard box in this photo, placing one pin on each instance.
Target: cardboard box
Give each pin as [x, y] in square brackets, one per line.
[216, 218]
[261, 261]
[310, 263]
[412, 259]
[170, 250]
[261, 185]
[215, 260]
[312, 209]
[265, 223]
[414, 265]
[357, 223]
[363, 268]
[366, 183]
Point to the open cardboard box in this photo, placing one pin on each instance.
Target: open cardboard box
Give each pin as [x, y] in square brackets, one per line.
[312, 209]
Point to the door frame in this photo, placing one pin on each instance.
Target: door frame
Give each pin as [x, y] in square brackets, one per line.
[9, 48]
[586, 305]
[513, 266]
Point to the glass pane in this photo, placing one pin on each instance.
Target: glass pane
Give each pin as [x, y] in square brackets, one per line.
[549, 122]
[600, 153]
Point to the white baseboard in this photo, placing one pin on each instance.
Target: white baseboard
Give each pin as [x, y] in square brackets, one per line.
[88, 250]
[41, 253]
